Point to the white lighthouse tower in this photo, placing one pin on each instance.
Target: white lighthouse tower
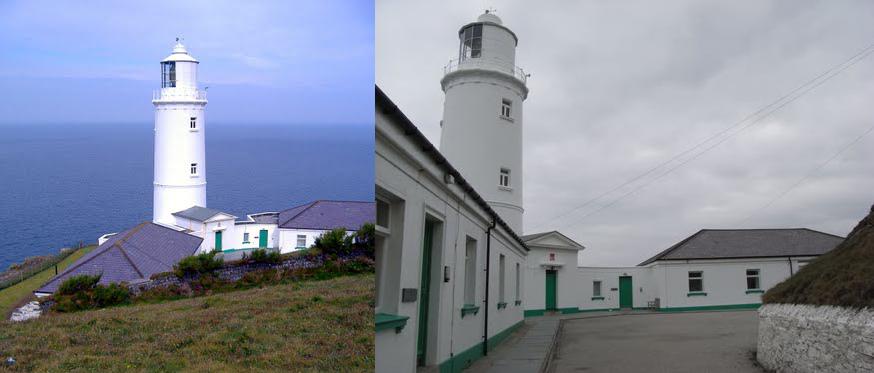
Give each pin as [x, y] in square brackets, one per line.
[180, 128]
[482, 115]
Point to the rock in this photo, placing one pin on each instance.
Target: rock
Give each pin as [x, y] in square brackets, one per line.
[10, 361]
[28, 311]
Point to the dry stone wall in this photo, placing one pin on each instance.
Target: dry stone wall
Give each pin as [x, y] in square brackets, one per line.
[804, 338]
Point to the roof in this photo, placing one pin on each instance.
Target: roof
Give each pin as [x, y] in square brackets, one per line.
[749, 243]
[180, 54]
[198, 213]
[552, 239]
[384, 104]
[136, 253]
[325, 215]
[260, 218]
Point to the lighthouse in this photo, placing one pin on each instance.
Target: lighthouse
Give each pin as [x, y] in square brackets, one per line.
[481, 130]
[180, 130]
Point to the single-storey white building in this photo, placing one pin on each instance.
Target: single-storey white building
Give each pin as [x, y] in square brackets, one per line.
[712, 269]
[449, 269]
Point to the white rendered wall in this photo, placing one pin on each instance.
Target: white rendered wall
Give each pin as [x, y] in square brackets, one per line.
[288, 238]
[177, 146]
[234, 239]
[643, 288]
[567, 294]
[475, 138]
[413, 183]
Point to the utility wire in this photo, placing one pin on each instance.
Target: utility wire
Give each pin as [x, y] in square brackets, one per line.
[780, 102]
[809, 174]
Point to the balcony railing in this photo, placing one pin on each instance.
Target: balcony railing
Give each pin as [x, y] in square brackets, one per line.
[487, 64]
[176, 93]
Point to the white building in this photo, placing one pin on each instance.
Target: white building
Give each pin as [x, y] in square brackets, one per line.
[449, 269]
[712, 269]
[180, 130]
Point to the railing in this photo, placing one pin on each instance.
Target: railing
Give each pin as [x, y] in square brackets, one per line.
[488, 64]
[176, 93]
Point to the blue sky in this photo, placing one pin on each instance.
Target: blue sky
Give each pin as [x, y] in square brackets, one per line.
[264, 61]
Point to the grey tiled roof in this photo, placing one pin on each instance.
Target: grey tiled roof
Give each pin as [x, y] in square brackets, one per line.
[198, 213]
[328, 215]
[749, 243]
[134, 254]
[260, 218]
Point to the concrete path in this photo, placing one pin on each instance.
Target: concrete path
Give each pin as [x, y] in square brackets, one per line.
[658, 342]
[524, 351]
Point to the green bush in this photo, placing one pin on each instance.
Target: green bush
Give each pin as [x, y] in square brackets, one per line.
[365, 239]
[334, 242]
[263, 256]
[83, 292]
[195, 264]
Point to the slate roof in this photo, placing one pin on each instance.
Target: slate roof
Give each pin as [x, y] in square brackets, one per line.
[749, 243]
[325, 215]
[198, 213]
[136, 253]
[260, 218]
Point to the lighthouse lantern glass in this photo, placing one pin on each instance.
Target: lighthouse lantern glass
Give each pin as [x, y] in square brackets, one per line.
[471, 42]
[168, 74]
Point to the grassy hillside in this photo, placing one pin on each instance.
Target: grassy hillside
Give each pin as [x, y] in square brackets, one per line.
[12, 295]
[842, 277]
[305, 326]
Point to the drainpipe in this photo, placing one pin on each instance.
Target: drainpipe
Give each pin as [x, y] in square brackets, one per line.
[486, 301]
[791, 271]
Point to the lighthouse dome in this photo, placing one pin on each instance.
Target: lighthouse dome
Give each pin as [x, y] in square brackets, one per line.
[489, 17]
[180, 54]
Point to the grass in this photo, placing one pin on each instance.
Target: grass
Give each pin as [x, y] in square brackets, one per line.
[842, 277]
[13, 295]
[304, 326]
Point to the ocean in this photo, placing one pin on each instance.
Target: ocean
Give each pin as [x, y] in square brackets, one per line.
[65, 184]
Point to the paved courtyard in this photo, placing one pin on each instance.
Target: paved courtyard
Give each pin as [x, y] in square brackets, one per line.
[659, 342]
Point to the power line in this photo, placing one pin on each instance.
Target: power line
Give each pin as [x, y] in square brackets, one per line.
[761, 113]
[809, 174]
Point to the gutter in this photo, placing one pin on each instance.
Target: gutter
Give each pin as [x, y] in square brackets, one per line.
[486, 301]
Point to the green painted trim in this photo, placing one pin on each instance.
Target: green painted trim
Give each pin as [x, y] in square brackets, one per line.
[756, 291]
[748, 306]
[457, 362]
[599, 310]
[502, 305]
[385, 321]
[597, 298]
[468, 309]
[696, 294]
[565, 311]
[530, 313]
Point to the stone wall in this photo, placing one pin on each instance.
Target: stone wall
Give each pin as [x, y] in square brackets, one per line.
[803, 338]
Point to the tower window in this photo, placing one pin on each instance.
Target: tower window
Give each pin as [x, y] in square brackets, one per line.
[168, 74]
[193, 123]
[506, 106]
[471, 42]
[504, 179]
[194, 169]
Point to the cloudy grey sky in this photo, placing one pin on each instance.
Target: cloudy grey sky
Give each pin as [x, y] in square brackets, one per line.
[619, 87]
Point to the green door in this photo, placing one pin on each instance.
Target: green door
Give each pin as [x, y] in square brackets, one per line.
[424, 293]
[218, 240]
[625, 292]
[550, 290]
[262, 239]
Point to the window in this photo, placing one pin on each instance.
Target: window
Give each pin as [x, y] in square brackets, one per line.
[696, 281]
[471, 42]
[504, 179]
[301, 241]
[194, 169]
[470, 272]
[518, 285]
[382, 214]
[168, 74]
[596, 288]
[246, 237]
[501, 271]
[506, 105]
[753, 279]
[193, 123]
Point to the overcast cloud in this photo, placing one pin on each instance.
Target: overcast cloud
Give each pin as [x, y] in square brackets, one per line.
[618, 87]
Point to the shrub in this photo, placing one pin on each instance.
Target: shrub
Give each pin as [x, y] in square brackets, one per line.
[76, 284]
[365, 239]
[264, 256]
[195, 264]
[83, 292]
[334, 242]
